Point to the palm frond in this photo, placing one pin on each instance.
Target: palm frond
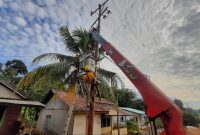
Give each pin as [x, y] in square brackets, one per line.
[42, 81]
[68, 39]
[55, 56]
[53, 71]
[59, 68]
[84, 40]
[108, 75]
[26, 81]
[105, 89]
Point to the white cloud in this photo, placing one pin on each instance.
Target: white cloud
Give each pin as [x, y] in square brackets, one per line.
[1, 3]
[50, 2]
[41, 12]
[20, 21]
[160, 37]
[38, 28]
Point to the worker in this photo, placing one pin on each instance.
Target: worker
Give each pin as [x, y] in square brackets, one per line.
[88, 76]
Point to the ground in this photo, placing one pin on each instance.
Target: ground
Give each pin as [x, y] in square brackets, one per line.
[193, 131]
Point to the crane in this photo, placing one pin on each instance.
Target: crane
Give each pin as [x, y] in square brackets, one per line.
[157, 104]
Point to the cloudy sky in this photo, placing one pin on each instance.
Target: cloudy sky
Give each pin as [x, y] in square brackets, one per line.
[161, 37]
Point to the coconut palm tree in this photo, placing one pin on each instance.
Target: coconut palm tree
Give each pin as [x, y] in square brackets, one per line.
[78, 43]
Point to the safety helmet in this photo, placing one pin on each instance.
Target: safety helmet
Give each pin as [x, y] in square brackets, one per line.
[86, 68]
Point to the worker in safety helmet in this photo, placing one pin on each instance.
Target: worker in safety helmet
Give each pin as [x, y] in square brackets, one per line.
[88, 76]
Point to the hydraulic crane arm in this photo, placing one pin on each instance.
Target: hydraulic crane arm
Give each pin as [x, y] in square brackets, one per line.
[157, 104]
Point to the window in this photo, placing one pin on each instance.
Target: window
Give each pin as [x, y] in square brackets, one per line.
[122, 119]
[105, 121]
[136, 119]
[2, 112]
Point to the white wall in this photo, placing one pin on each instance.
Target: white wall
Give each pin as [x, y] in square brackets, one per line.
[58, 112]
[97, 124]
[80, 124]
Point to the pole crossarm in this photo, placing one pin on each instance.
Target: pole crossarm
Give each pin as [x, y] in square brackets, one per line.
[92, 12]
[100, 11]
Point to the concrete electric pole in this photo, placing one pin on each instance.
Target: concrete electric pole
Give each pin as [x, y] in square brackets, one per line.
[101, 11]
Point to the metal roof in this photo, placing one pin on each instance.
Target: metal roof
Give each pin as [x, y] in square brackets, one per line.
[80, 104]
[22, 102]
[103, 105]
[133, 110]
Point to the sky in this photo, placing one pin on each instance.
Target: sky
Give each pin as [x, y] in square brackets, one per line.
[160, 37]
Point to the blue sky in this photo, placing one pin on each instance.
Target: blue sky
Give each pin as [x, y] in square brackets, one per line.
[160, 37]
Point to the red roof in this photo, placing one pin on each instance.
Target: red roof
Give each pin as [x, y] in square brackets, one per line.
[102, 105]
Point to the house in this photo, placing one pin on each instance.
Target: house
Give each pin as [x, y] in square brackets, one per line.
[53, 116]
[11, 103]
[137, 115]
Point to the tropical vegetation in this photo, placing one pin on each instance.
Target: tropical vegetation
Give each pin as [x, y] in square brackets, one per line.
[62, 70]
[190, 116]
[12, 71]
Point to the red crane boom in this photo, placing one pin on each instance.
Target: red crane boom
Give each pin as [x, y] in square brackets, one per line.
[157, 104]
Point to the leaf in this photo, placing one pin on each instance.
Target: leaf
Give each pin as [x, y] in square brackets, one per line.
[108, 75]
[55, 56]
[68, 39]
[51, 71]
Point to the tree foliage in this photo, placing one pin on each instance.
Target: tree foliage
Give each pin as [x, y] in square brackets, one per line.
[190, 119]
[179, 103]
[63, 67]
[138, 104]
[12, 71]
[132, 126]
[190, 116]
[127, 98]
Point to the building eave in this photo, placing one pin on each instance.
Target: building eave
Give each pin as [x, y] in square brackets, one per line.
[21, 102]
[9, 87]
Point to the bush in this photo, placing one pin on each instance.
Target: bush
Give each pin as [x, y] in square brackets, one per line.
[191, 119]
[132, 126]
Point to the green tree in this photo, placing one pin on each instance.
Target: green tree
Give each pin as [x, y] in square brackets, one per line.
[190, 119]
[13, 71]
[125, 97]
[179, 103]
[78, 43]
[17, 65]
[138, 104]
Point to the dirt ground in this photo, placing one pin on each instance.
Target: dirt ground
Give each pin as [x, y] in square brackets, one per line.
[193, 131]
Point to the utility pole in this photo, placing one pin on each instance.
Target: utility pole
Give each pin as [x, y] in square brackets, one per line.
[100, 11]
[118, 124]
